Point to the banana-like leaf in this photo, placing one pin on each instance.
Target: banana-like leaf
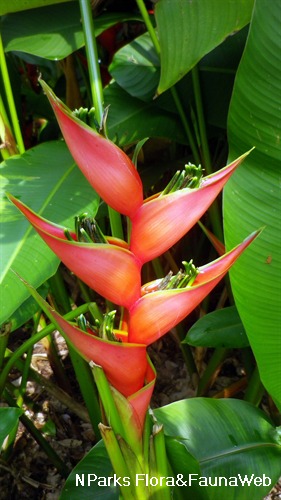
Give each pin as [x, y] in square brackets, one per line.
[138, 119]
[136, 67]
[221, 328]
[90, 478]
[189, 30]
[19, 5]
[8, 419]
[52, 32]
[252, 197]
[231, 439]
[46, 178]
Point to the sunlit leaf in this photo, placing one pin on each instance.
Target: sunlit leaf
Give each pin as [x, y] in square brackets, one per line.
[253, 197]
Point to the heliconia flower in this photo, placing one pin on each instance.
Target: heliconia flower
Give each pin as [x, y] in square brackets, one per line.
[109, 269]
[141, 399]
[161, 221]
[108, 169]
[125, 365]
[155, 313]
[133, 409]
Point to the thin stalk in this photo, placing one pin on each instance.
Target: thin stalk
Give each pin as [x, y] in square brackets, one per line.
[255, 389]
[43, 443]
[146, 437]
[87, 387]
[55, 391]
[10, 99]
[155, 41]
[59, 292]
[186, 126]
[50, 347]
[207, 163]
[92, 58]
[161, 458]
[27, 363]
[4, 337]
[33, 340]
[187, 354]
[118, 463]
[111, 412]
[97, 92]
[213, 366]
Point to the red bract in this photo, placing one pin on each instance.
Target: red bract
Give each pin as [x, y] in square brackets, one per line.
[163, 220]
[157, 312]
[111, 270]
[125, 365]
[108, 169]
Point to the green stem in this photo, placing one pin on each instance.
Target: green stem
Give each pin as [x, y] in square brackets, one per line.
[10, 99]
[155, 41]
[4, 337]
[43, 443]
[118, 463]
[161, 459]
[97, 91]
[187, 355]
[33, 340]
[92, 58]
[217, 358]
[186, 126]
[207, 163]
[53, 389]
[59, 293]
[255, 389]
[87, 387]
[111, 412]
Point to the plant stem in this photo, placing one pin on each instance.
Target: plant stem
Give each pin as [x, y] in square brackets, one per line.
[155, 41]
[92, 58]
[107, 400]
[43, 443]
[213, 366]
[4, 337]
[55, 391]
[10, 99]
[97, 91]
[255, 389]
[207, 163]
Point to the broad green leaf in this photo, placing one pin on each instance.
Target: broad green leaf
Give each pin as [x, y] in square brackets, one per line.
[47, 179]
[252, 198]
[19, 5]
[8, 419]
[229, 438]
[189, 30]
[135, 67]
[51, 32]
[183, 464]
[138, 120]
[221, 328]
[83, 482]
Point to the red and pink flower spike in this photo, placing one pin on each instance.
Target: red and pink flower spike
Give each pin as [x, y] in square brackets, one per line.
[108, 169]
[109, 269]
[161, 221]
[157, 312]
